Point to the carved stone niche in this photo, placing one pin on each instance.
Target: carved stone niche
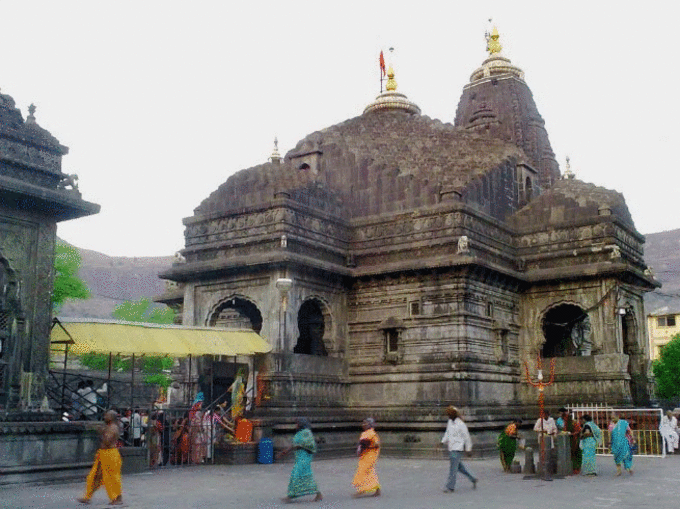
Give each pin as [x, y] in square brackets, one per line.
[502, 344]
[391, 331]
[308, 157]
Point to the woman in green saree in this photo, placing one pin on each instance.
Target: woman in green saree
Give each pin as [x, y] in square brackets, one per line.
[507, 443]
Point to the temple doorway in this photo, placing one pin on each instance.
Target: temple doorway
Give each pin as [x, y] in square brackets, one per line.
[311, 324]
[237, 313]
[567, 332]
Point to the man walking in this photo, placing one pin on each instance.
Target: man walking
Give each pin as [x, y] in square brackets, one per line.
[107, 464]
[458, 440]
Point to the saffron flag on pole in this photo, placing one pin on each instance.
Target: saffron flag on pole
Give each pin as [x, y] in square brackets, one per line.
[382, 64]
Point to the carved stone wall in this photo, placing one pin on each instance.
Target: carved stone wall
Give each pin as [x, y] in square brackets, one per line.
[607, 372]
[458, 339]
[27, 245]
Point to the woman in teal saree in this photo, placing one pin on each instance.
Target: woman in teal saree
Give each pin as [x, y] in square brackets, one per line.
[591, 437]
[621, 440]
[302, 480]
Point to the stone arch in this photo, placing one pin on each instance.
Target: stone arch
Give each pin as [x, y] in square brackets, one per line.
[236, 312]
[629, 330]
[315, 325]
[566, 331]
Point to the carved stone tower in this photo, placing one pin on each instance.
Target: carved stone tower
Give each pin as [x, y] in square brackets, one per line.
[34, 196]
[498, 101]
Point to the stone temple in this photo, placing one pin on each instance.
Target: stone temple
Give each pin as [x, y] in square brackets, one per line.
[34, 196]
[398, 264]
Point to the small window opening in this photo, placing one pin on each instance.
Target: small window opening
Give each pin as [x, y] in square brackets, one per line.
[665, 321]
[528, 189]
[392, 340]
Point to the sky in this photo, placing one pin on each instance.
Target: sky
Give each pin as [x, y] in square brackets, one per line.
[160, 101]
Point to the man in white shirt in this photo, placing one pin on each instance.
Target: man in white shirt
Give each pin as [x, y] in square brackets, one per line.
[545, 427]
[458, 440]
[136, 425]
[88, 400]
[667, 430]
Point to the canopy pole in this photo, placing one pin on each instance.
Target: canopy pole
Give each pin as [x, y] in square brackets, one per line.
[108, 383]
[212, 379]
[132, 384]
[63, 380]
[189, 381]
[214, 409]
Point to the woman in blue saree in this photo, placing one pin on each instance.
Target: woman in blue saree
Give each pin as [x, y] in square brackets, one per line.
[301, 478]
[591, 437]
[621, 440]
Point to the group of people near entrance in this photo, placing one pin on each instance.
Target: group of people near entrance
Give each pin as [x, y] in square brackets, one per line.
[185, 440]
[585, 438]
[366, 482]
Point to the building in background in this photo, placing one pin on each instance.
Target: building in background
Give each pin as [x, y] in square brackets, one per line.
[663, 324]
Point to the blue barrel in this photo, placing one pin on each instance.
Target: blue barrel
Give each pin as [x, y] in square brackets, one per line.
[265, 451]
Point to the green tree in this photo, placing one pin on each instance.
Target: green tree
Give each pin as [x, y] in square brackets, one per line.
[667, 370]
[142, 311]
[138, 311]
[67, 284]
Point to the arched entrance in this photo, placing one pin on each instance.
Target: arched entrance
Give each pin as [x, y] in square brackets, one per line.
[312, 327]
[237, 313]
[566, 329]
[636, 358]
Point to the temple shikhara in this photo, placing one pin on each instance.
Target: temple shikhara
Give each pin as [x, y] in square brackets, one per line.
[398, 263]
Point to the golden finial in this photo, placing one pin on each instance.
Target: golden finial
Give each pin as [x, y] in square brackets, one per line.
[391, 85]
[492, 44]
[391, 82]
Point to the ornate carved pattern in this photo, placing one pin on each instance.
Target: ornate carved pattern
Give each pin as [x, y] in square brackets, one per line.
[30, 156]
[321, 229]
[315, 392]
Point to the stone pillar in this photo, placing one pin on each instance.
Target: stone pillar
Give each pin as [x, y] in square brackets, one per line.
[563, 442]
[529, 467]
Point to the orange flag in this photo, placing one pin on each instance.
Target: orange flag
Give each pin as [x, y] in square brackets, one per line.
[382, 64]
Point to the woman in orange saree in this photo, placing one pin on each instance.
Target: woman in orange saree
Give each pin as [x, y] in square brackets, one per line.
[366, 478]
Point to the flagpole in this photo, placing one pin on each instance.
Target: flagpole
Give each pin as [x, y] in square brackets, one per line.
[381, 66]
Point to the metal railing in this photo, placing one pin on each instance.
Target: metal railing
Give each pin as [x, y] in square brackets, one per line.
[174, 436]
[644, 424]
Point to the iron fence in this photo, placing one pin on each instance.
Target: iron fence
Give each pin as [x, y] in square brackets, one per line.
[644, 424]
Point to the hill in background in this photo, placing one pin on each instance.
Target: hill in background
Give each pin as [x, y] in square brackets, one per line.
[662, 253]
[114, 279]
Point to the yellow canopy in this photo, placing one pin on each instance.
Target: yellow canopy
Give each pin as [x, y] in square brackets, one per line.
[129, 338]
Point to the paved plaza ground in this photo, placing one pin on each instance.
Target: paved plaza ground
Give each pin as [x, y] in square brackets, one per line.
[412, 484]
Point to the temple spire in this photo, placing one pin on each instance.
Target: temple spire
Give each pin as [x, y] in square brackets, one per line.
[568, 174]
[391, 99]
[275, 157]
[495, 64]
[30, 119]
